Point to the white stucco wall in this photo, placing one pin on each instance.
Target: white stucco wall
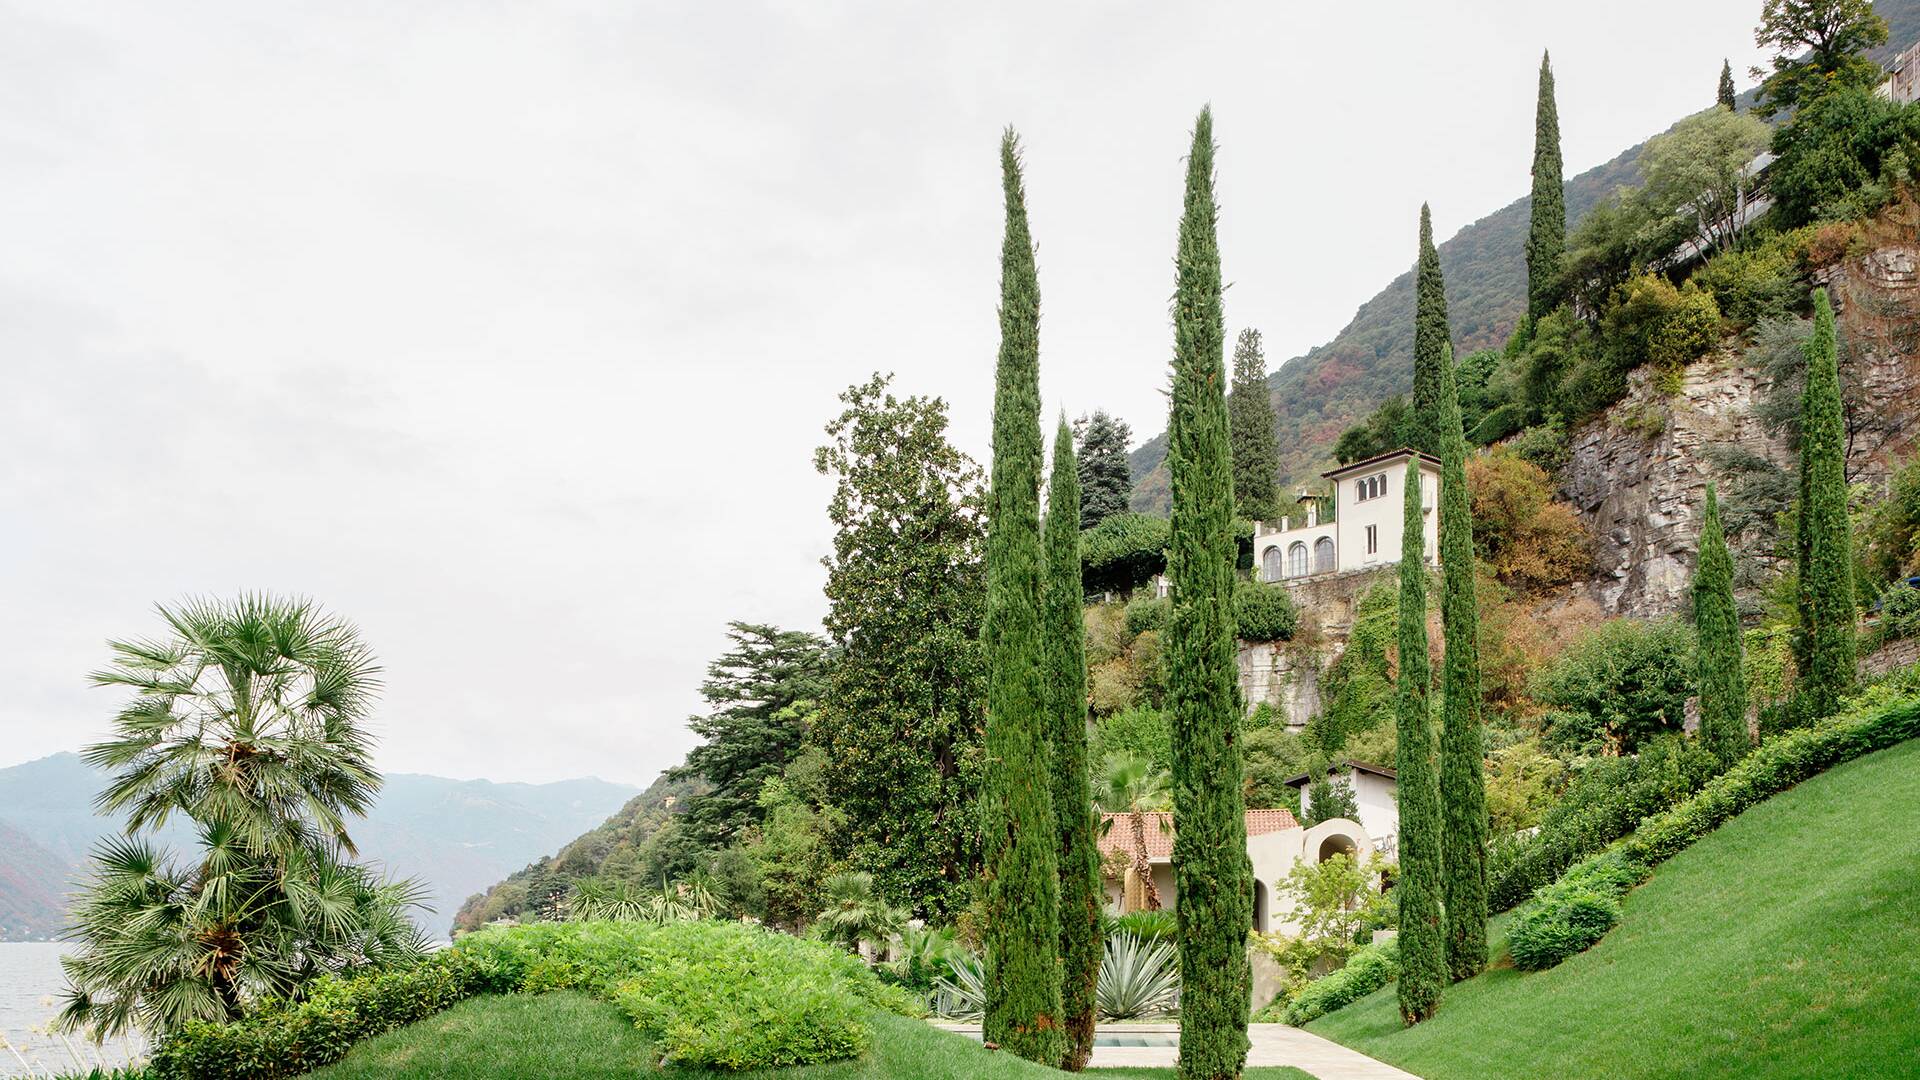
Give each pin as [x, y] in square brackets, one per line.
[1353, 515]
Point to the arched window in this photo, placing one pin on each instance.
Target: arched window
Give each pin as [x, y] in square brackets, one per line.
[1323, 555]
[1271, 567]
[1297, 560]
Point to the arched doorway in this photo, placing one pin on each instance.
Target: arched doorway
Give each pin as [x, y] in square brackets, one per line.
[1323, 555]
[1271, 566]
[1337, 844]
[1297, 560]
[1260, 906]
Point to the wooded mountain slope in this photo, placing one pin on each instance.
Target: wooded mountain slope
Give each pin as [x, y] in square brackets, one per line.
[1321, 394]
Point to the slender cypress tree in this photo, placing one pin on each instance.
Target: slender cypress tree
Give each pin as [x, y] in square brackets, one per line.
[1256, 446]
[1431, 335]
[1423, 948]
[1022, 924]
[1463, 782]
[1080, 893]
[1726, 95]
[1210, 866]
[1723, 687]
[1824, 642]
[1547, 233]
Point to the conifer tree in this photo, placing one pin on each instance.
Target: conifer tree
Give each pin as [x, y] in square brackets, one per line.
[1106, 480]
[1723, 687]
[1081, 897]
[1256, 446]
[1824, 641]
[1547, 233]
[1463, 782]
[1430, 341]
[1020, 840]
[1423, 949]
[1726, 96]
[1214, 878]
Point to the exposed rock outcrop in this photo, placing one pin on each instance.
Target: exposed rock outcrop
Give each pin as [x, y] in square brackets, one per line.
[1636, 475]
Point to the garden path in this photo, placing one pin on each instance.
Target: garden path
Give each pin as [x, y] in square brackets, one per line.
[1273, 1044]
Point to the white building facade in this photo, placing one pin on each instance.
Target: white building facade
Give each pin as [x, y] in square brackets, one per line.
[1369, 501]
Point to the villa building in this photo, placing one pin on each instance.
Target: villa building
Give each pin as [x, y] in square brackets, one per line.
[1276, 841]
[1364, 533]
[1376, 807]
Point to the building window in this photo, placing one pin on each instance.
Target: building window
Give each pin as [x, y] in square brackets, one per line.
[1297, 560]
[1323, 555]
[1369, 487]
[1271, 568]
[1373, 539]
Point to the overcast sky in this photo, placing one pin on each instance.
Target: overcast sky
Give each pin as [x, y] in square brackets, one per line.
[507, 330]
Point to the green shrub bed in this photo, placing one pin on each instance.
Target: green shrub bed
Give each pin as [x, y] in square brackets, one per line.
[289, 1038]
[1367, 970]
[1576, 911]
[708, 993]
[1608, 801]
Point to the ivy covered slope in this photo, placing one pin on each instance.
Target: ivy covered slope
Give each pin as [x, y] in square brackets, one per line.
[1782, 944]
[1321, 394]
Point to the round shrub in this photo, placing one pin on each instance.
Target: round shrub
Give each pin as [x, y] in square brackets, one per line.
[1264, 613]
[1146, 613]
[1561, 923]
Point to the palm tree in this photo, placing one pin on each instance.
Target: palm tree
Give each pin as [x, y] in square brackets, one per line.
[856, 914]
[248, 715]
[1132, 786]
[247, 721]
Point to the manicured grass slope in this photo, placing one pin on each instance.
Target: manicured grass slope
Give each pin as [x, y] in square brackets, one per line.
[1784, 944]
[562, 1036]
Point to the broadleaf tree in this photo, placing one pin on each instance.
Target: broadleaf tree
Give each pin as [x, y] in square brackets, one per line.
[900, 717]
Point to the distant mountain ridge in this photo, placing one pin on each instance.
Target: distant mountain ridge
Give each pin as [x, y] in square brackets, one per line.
[457, 836]
[1326, 391]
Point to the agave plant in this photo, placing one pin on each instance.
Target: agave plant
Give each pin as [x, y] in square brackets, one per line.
[963, 995]
[1138, 978]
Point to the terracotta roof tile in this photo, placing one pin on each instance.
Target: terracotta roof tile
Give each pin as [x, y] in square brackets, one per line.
[1159, 828]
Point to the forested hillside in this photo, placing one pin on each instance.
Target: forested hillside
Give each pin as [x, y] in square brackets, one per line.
[1319, 395]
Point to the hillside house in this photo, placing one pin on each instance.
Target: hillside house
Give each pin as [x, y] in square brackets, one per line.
[1368, 505]
[1376, 806]
[1275, 843]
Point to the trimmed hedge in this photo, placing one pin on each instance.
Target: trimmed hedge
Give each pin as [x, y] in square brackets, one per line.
[1367, 970]
[1571, 914]
[703, 992]
[1123, 552]
[284, 1039]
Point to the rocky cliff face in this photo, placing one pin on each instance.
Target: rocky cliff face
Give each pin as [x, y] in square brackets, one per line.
[1637, 475]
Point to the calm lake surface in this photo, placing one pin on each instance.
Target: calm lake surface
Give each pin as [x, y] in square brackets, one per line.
[30, 982]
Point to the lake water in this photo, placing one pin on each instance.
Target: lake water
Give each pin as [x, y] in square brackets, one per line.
[30, 984]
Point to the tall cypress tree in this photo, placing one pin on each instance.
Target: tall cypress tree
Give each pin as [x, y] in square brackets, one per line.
[1547, 232]
[1210, 866]
[1824, 642]
[1430, 342]
[1726, 95]
[1256, 446]
[1723, 687]
[1080, 893]
[1463, 782]
[1022, 924]
[1423, 948]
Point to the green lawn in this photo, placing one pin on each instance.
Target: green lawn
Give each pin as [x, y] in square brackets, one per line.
[566, 1036]
[1786, 944]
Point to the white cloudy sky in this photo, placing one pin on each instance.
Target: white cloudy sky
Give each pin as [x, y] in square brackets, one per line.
[508, 329]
